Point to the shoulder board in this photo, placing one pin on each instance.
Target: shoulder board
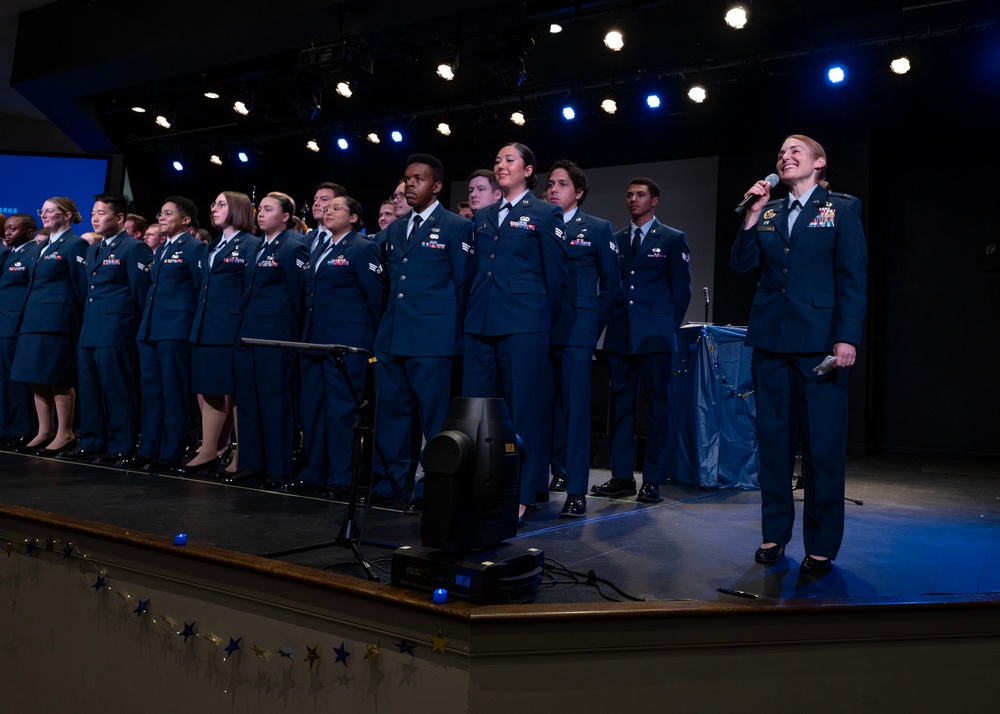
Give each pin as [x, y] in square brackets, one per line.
[774, 202]
[839, 195]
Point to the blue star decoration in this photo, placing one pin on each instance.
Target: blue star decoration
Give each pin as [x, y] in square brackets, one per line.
[405, 647]
[142, 608]
[101, 582]
[342, 654]
[233, 645]
[67, 552]
[29, 548]
[282, 653]
[188, 630]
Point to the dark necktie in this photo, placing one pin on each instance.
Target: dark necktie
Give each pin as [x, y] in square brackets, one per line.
[319, 240]
[793, 214]
[636, 242]
[218, 249]
[417, 220]
[504, 209]
[46, 248]
[321, 245]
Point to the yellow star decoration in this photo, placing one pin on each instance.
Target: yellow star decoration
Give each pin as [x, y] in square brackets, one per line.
[259, 652]
[312, 655]
[372, 655]
[438, 643]
[9, 548]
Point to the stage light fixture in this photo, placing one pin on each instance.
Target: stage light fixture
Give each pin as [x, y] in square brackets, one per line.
[374, 138]
[653, 101]
[836, 74]
[555, 28]
[342, 144]
[242, 156]
[614, 41]
[609, 105]
[396, 136]
[517, 118]
[697, 94]
[241, 108]
[737, 17]
[446, 71]
[569, 113]
[211, 95]
[312, 145]
[900, 65]
[214, 158]
[444, 129]
[344, 90]
[178, 166]
[139, 110]
[163, 121]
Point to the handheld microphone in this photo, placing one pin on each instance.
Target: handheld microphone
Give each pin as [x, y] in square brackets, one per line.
[771, 180]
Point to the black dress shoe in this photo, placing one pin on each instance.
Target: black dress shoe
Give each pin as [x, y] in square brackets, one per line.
[187, 469]
[135, 462]
[77, 453]
[337, 492]
[541, 497]
[769, 555]
[815, 566]
[649, 493]
[241, 476]
[615, 487]
[414, 507]
[558, 483]
[110, 459]
[69, 446]
[19, 445]
[575, 506]
[160, 466]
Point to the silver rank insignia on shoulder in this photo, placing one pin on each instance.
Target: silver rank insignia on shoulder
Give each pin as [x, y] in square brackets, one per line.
[769, 214]
[579, 220]
[524, 202]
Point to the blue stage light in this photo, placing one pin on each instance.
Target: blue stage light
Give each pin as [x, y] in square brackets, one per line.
[836, 74]
[178, 166]
[342, 143]
[242, 156]
[396, 136]
[653, 101]
[569, 113]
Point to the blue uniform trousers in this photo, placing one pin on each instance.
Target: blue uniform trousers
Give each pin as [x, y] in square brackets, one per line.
[17, 401]
[108, 397]
[165, 367]
[570, 416]
[627, 371]
[264, 403]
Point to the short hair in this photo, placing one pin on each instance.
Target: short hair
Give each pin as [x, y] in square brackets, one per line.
[28, 219]
[241, 215]
[463, 204]
[118, 203]
[386, 202]
[337, 189]
[186, 206]
[486, 174]
[66, 205]
[354, 206]
[654, 188]
[576, 175]
[437, 168]
[138, 222]
[204, 236]
[287, 205]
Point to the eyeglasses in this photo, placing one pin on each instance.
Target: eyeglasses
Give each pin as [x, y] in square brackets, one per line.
[218, 204]
[48, 211]
[336, 208]
[397, 197]
[164, 214]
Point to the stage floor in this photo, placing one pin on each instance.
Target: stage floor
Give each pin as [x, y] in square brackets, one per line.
[927, 526]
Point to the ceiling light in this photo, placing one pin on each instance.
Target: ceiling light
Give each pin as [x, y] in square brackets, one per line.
[517, 118]
[396, 136]
[697, 94]
[569, 113]
[614, 41]
[312, 146]
[178, 166]
[139, 110]
[555, 28]
[374, 138]
[242, 156]
[444, 129]
[836, 74]
[214, 158]
[240, 108]
[609, 105]
[736, 17]
[212, 95]
[900, 65]
[163, 121]
[653, 101]
[344, 90]
[446, 72]
[342, 144]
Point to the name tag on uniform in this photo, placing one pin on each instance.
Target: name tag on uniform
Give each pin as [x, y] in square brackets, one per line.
[761, 229]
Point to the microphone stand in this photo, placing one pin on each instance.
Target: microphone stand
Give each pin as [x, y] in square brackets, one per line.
[350, 532]
[705, 290]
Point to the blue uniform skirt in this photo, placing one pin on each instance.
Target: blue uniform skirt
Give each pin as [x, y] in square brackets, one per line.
[45, 358]
[212, 369]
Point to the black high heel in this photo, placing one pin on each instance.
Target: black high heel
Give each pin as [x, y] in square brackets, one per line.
[769, 555]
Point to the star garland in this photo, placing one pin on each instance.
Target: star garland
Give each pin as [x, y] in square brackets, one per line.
[717, 372]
